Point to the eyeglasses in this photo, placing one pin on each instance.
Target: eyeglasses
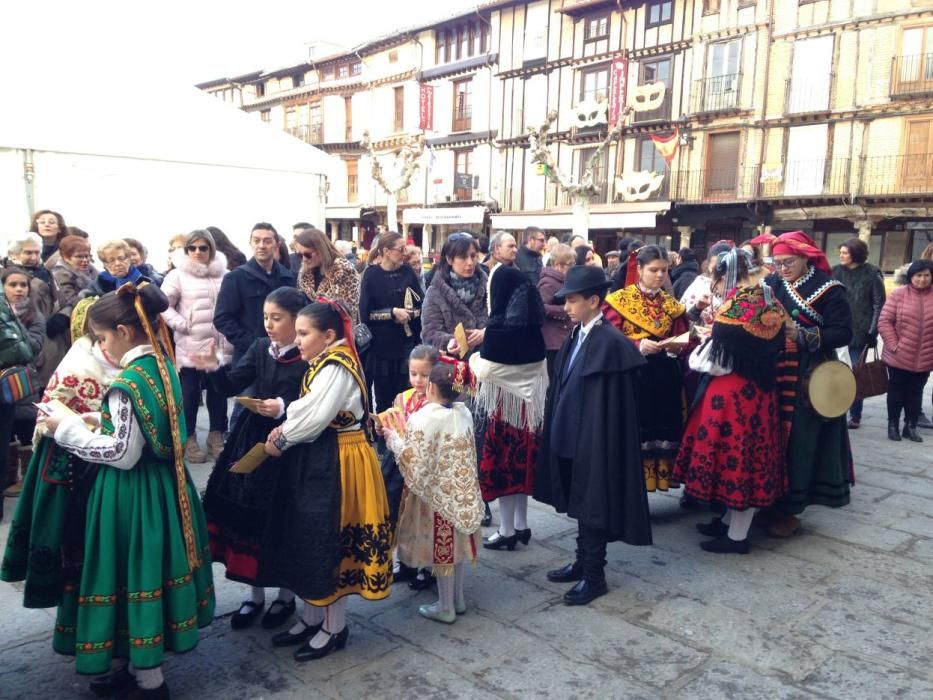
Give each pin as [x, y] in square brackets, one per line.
[199, 248]
[397, 249]
[786, 263]
[308, 255]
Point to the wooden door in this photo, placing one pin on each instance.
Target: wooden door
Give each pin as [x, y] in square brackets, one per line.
[916, 172]
[722, 165]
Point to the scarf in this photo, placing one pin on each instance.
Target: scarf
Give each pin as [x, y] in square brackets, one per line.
[132, 276]
[514, 394]
[20, 307]
[467, 288]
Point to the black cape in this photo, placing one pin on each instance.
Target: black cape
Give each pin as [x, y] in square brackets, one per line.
[607, 484]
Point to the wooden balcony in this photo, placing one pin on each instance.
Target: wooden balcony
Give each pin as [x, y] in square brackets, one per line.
[912, 76]
[907, 175]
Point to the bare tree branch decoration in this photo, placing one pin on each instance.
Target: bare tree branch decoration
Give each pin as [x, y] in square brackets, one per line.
[410, 154]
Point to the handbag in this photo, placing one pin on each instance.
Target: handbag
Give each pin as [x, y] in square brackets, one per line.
[17, 383]
[362, 337]
[871, 377]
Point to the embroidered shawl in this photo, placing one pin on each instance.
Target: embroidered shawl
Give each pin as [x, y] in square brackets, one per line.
[645, 316]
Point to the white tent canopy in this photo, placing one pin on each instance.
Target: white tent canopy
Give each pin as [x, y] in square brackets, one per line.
[124, 156]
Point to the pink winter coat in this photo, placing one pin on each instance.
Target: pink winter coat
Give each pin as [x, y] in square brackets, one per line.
[906, 326]
[192, 290]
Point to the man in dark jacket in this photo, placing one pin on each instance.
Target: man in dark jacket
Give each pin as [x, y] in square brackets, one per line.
[528, 259]
[683, 275]
[238, 314]
[589, 464]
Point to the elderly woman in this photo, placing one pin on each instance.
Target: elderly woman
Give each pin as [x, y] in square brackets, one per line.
[327, 273]
[390, 305]
[138, 256]
[557, 323]
[906, 326]
[118, 270]
[864, 285]
[192, 287]
[73, 272]
[819, 459]
[50, 225]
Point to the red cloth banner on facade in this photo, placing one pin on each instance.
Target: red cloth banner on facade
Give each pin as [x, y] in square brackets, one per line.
[618, 89]
[667, 145]
[426, 107]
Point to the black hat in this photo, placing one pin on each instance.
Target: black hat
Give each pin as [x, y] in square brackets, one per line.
[583, 278]
[513, 334]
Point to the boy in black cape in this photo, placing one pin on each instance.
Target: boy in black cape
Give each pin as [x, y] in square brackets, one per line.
[589, 464]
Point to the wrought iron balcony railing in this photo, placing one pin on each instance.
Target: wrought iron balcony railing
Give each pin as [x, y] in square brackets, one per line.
[910, 174]
[811, 93]
[313, 133]
[716, 94]
[912, 75]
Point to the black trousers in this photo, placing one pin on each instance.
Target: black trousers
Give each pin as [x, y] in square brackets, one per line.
[905, 392]
[192, 381]
[591, 542]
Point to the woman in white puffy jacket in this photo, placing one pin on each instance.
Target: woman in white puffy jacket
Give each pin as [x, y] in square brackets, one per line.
[192, 287]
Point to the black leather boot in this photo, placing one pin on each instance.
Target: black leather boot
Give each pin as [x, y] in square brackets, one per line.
[893, 432]
[910, 432]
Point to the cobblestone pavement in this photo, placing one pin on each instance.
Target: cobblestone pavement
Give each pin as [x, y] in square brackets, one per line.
[843, 610]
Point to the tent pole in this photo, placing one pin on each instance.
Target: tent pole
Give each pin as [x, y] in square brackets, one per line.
[29, 176]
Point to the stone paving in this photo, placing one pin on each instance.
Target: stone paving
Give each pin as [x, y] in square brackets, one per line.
[843, 610]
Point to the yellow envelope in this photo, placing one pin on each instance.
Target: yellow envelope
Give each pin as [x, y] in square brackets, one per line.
[460, 335]
[251, 461]
[249, 403]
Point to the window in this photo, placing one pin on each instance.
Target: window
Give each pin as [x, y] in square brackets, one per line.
[594, 84]
[343, 70]
[710, 7]
[440, 47]
[916, 171]
[461, 41]
[722, 165]
[648, 158]
[356, 68]
[463, 110]
[656, 70]
[721, 87]
[805, 164]
[393, 56]
[317, 124]
[659, 12]
[596, 28]
[266, 115]
[463, 180]
[913, 71]
[291, 120]
[260, 89]
[352, 181]
[536, 20]
[327, 73]
[599, 171]
[299, 80]
[399, 95]
[811, 75]
[348, 107]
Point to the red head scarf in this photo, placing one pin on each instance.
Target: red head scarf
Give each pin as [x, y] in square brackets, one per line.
[463, 380]
[347, 322]
[800, 244]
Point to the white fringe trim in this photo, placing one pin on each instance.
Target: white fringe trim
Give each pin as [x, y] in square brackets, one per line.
[524, 414]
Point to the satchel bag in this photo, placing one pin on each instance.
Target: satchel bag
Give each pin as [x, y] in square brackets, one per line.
[362, 337]
[17, 383]
[871, 377]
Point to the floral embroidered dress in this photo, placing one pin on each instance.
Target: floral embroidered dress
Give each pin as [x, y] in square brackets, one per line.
[443, 506]
[656, 316]
[407, 403]
[732, 449]
[146, 586]
[45, 545]
[328, 534]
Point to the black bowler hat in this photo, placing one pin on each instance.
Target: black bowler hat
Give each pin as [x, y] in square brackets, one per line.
[583, 278]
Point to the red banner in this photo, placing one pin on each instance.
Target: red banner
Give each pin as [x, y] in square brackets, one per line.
[426, 107]
[618, 89]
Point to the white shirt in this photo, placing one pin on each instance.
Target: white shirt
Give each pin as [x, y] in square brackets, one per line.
[333, 390]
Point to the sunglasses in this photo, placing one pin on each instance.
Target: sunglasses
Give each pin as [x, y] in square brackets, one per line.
[460, 237]
[199, 248]
[308, 255]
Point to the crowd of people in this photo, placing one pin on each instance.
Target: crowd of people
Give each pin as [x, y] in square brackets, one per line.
[380, 409]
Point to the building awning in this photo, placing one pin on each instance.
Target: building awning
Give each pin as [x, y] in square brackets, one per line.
[342, 212]
[646, 217]
[444, 215]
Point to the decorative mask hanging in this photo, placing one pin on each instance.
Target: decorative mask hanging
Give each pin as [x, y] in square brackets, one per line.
[590, 113]
[648, 97]
[639, 185]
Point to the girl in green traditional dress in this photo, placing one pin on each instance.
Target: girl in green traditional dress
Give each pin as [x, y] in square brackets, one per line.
[146, 586]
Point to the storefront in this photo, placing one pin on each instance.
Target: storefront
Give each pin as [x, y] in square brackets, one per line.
[436, 223]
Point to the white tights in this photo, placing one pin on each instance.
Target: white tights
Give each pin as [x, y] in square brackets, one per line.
[513, 514]
[739, 522]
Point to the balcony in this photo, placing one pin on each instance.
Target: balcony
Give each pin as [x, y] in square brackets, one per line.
[661, 114]
[817, 177]
[715, 185]
[313, 133]
[807, 95]
[637, 189]
[716, 95]
[912, 75]
[902, 175]
[463, 119]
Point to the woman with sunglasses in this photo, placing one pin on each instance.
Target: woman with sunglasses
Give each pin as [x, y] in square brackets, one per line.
[192, 287]
[327, 273]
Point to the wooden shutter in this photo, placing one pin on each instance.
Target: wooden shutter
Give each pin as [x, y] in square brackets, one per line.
[917, 169]
[722, 163]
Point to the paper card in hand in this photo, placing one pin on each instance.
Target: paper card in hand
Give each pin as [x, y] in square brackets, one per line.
[677, 342]
[461, 337]
[392, 419]
[249, 403]
[251, 461]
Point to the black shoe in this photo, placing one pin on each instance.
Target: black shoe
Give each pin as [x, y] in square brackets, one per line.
[278, 613]
[160, 693]
[499, 541]
[688, 502]
[487, 518]
[855, 423]
[715, 528]
[241, 620]
[524, 536]
[585, 592]
[113, 683]
[403, 572]
[571, 572]
[336, 642]
[910, 432]
[723, 545]
[287, 639]
[424, 579]
[893, 432]
[924, 422]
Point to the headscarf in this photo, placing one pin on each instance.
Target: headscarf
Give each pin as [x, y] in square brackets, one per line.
[800, 244]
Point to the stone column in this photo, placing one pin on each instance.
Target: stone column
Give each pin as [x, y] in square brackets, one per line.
[334, 229]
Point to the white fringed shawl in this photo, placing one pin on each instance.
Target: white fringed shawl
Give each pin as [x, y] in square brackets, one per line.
[513, 393]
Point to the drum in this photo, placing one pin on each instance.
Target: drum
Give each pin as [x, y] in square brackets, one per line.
[830, 388]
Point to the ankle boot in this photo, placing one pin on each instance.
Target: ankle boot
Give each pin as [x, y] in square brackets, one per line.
[893, 431]
[910, 432]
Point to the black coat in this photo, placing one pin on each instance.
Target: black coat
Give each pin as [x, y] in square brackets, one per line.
[529, 262]
[238, 313]
[682, 277]
[380, 292]
[594, 408]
